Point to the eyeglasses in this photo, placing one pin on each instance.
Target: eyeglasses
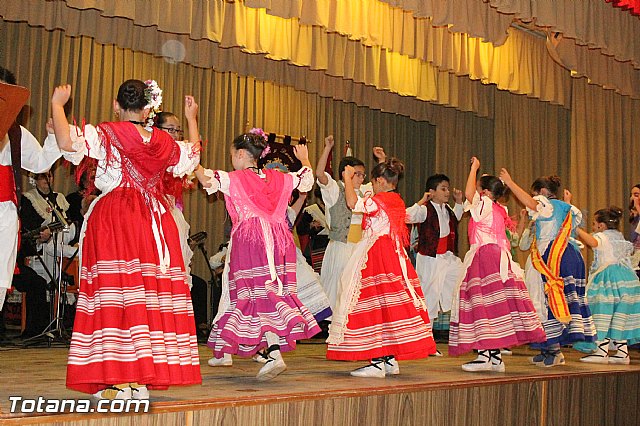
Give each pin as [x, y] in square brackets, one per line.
[173, 130]
[360, 174]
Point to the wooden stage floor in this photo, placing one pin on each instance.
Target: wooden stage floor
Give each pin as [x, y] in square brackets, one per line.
[31, 373]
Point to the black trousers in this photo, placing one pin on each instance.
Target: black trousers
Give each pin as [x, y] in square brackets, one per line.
[36, 297]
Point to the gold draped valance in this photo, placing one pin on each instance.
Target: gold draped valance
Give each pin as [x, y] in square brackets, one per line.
[391, 71]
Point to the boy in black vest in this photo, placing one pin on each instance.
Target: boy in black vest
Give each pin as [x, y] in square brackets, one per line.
[437, 263]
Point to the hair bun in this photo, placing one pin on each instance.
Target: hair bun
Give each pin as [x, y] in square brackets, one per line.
[555, 179]
[616, 212]
[396, 166]
[258, 141]
[131, 95]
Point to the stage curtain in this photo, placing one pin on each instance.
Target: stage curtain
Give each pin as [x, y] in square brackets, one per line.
[608, 58]
[605, 130]
[425, 63]
[228, 102]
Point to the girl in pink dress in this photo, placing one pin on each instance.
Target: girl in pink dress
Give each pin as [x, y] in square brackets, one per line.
[493, 309]
[260, 308]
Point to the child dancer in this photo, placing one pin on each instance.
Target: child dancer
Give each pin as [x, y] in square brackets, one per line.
[134, 326]
[614, 290]
[309, 288]
[381, 314]
[345, 227]
[259, 308]
[560, 263]
[439, 268]
[493, 309]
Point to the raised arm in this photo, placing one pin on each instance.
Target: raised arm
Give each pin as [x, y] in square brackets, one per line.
[519, 193]
[191, 114]
[297, 206]
[322, 161]
[470, 189]
[349, 192]
[302, 153]
[60, 97]
[379, 153]
[587, 238]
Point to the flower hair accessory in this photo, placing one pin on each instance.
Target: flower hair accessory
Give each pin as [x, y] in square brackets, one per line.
[153, 95]
[265, 151]
[259, 131]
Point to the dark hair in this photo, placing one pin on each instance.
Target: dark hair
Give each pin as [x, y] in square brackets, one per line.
[493, 185]
[632, 204]
[131, 95]
[348, 161]
[7, 76]
[434, 181]
[550, 183]
[610, 216]
[252, 143]
[391, 170]
[162, 118]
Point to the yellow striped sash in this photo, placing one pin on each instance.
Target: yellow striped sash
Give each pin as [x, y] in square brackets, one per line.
[554, 287]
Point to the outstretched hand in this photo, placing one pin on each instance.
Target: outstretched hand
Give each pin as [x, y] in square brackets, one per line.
[348, 173]
[49, 126]
[190, 107]
[567, 196]
[475, 163]
[61, 95]
[458, 196]
[505, 176]
[302, 153]
[379, 153]
[425, 197]
[329, 142]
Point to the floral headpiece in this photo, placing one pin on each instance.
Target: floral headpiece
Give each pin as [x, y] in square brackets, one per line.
[153, 95]
[258, 131]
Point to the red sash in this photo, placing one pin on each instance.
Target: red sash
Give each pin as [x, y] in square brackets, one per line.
[7, 185]
[442, 245]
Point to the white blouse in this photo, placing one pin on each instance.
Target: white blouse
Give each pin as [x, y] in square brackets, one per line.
[331, 193]
[109, 176]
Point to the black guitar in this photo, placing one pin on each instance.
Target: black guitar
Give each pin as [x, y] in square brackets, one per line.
[35, 233]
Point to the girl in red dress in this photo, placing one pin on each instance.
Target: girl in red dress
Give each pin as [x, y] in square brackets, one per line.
[381, 314]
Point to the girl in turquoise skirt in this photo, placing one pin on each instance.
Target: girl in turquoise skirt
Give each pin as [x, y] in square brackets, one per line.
[613, 290]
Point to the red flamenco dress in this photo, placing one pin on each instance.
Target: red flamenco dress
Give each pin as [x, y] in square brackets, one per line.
[134, 319]
[381, 311]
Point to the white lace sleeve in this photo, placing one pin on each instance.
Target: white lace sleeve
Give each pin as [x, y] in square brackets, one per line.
[543, 209]
[330, 192]
[303, 179]
[36, 158]
[219, 181]
[416, 214]
[85, 143]
[601, 239]
[526, 239]
[458, 210]
[189, 159]
[480, 207]
[576, 216]
[365, 205]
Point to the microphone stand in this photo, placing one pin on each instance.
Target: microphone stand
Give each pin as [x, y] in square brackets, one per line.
[213, 284]
[55, 328]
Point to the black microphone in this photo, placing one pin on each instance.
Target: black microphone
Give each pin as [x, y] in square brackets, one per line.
[197, 238]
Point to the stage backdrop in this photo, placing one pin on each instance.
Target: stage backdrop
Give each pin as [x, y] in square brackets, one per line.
[590, 140]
